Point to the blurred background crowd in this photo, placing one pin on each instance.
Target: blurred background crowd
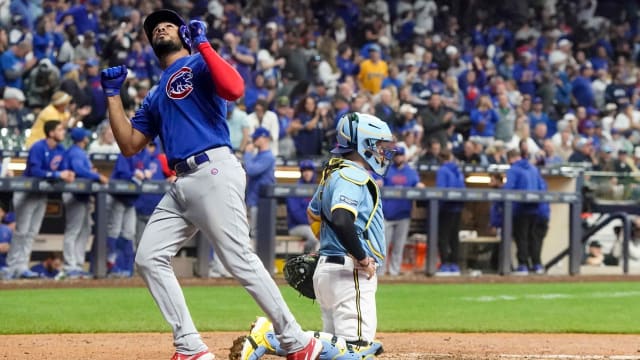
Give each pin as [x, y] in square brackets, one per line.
[557, 79]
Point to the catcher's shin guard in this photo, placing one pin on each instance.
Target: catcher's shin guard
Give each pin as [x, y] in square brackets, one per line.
[368, 351]
[334, 348]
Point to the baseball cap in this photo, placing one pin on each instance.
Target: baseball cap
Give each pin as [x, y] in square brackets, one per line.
[582, 142]
[537, 100]
[564, 42]
[78, 134]
[93, 62]
[307, 165]
[283, 101]
[9, 218]
[589, 124]
[451, 50]
[66, 68]
[400, 150]
[258, 132]
[433, 66]
[374, 47]
[595, 243]
[407, 108]
[606, 148]
[162, 15]
[13, 93]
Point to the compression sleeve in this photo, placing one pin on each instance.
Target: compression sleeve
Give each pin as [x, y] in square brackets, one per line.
[344, 226]
[229, 84]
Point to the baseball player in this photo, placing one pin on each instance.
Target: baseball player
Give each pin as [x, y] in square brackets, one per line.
[187, 109]
[121, 224]
[260, 165]
[297, 221]
[43, 161]
[347, 203]
[77, 207]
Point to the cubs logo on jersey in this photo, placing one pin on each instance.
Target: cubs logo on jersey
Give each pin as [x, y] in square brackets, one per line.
[179, 85]
[55, 162]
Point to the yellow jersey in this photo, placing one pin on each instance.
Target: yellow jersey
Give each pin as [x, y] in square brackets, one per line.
[372, 74]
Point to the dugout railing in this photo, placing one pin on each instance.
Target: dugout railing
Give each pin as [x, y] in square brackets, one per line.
[270, 194]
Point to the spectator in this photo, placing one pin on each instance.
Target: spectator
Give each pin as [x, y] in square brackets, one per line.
[98, 99]
[435, 121]
[238, 55]
[105, 143]
[42, 81]
[496, 153]
[263, 117]
[539, 227]
[526, 74]
[393, 79]
[17, 61]
[269, 63]
[581, 86]
[307, 128]
[260, 165]
[550, 156]
[452, 97]
[538, 116]
[86, 49]
[239, 128]
[449, 176]
[43, 161]
[13, 114]
[372, 71]
[6, 233]
[397, 213]
[297, 220]
[506, 119]
[483, 121]
[58, 109]
[432, 156]
[77, 206]
[257, 91]
[583, 153]
[384, 108]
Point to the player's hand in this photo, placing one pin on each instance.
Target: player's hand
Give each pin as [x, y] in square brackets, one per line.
[368, 265]
[103, 179]
[198, 32]
[112, 79]
[67, 175]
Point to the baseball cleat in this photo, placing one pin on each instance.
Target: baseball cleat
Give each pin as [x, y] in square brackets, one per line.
[310, 352]
[203, 355]
[260, 341]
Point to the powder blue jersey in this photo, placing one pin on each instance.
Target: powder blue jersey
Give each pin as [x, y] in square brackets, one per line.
[346, 188]
[185, 105]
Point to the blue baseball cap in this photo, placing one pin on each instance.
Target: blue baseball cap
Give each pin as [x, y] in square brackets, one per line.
[258, 132]
[93, 62]
[307, 165]
[9, 218]
[78, 134]
[68, 67]
[400, 150]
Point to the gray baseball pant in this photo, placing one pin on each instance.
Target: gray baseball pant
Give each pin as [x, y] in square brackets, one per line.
[30, 208]
[76, 231]
[209, 198]
[396, 233]
[122, 220]
[304, 231]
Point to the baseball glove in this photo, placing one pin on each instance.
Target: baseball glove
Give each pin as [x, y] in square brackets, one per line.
[298, 271]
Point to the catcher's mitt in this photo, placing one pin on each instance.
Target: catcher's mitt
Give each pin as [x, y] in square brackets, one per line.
[298, 271]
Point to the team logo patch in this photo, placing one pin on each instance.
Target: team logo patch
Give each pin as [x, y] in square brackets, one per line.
[348, 201]
[214, 171]
[179, 85]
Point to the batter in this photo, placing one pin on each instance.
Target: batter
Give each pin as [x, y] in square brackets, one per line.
[187, 109]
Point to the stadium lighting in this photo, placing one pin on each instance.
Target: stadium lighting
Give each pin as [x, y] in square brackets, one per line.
[477, 179]
[287, 174]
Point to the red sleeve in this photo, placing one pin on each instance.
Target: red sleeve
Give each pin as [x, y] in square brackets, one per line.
[165, 165]
[229, 83]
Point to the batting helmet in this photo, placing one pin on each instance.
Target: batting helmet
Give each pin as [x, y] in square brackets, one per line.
[169, 16]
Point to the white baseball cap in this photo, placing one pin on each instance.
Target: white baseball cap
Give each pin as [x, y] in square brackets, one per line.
[13, 93]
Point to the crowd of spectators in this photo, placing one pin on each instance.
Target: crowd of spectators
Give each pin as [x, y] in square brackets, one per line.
[556, 78]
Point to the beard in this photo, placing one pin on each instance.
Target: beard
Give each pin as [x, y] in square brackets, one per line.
[164, 47]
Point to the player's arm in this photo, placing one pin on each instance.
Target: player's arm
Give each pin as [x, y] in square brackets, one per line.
[228, 82]
[130, 140]
[344, 226]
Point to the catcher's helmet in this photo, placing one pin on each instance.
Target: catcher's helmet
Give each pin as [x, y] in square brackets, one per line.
[170, 16]
[361, 133]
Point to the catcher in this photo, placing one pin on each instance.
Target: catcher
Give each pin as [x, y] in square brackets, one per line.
[347, 206]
